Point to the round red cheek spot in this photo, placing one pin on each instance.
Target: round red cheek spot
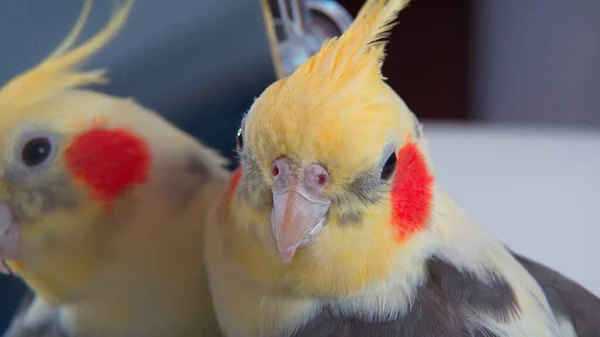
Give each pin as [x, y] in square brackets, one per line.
[108, 162]
[275, 170]
[412, 192]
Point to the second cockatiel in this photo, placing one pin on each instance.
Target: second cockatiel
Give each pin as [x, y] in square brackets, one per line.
[334, 225]
[102, 204]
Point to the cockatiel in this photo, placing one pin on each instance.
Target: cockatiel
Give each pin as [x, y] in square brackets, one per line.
[333, 223]
[102, 204]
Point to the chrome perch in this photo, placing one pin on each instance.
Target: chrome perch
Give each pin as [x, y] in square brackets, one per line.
[297, 28]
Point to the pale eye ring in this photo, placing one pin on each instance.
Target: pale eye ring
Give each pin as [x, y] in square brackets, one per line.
[36, 151]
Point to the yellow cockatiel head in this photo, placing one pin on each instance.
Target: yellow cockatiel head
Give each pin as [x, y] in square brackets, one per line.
[333, 172]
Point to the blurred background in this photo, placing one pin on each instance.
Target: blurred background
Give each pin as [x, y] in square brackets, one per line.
[508, 92]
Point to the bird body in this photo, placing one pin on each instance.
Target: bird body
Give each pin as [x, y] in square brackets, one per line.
[334, 224]
[102, 205]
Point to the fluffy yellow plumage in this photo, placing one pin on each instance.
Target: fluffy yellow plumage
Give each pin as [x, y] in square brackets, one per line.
[327, 100]
[325, 113]
[335, 112]
[59, 71]
[131, 269]
[32, 94]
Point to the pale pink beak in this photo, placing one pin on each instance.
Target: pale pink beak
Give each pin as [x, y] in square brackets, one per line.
[10, 237]
[299, 210]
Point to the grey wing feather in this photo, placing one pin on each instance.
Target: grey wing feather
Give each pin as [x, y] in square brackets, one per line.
[436, 308]
[568, 299]
[435, 311]
[34, 319]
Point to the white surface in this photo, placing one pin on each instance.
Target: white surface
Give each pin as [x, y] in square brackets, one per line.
[537, 190]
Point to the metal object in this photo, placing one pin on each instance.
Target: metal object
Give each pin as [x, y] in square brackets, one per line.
[297, 29]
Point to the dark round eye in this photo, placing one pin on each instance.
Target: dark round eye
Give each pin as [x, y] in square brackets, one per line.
[389, 167]
[36, 151]
[240, 139]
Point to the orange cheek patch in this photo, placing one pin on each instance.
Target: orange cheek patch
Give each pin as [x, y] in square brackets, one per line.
[235, 180]
[412, 192]
[108, 162]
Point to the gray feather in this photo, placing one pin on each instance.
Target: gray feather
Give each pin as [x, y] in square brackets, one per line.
[439, 309]
[440, 304]
[567, 299]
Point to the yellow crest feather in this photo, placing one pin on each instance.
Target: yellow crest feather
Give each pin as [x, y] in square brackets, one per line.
[59, 70]
[362, 46]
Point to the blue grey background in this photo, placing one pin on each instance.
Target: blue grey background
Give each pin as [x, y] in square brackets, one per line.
[198, 62]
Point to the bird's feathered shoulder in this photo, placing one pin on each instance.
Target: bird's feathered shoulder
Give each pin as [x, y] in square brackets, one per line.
[453, 301]
[571, 303]
[471, 285]
[440, 308]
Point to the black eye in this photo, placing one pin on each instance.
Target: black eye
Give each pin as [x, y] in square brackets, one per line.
[389, 167]
[36, 151]
[240, 139]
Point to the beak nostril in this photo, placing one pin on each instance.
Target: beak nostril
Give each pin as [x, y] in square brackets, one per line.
[275, 170]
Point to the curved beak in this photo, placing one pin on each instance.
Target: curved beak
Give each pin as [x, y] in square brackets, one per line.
[295, 219]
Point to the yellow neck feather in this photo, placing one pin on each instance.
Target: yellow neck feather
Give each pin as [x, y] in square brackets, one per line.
[345, 258]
